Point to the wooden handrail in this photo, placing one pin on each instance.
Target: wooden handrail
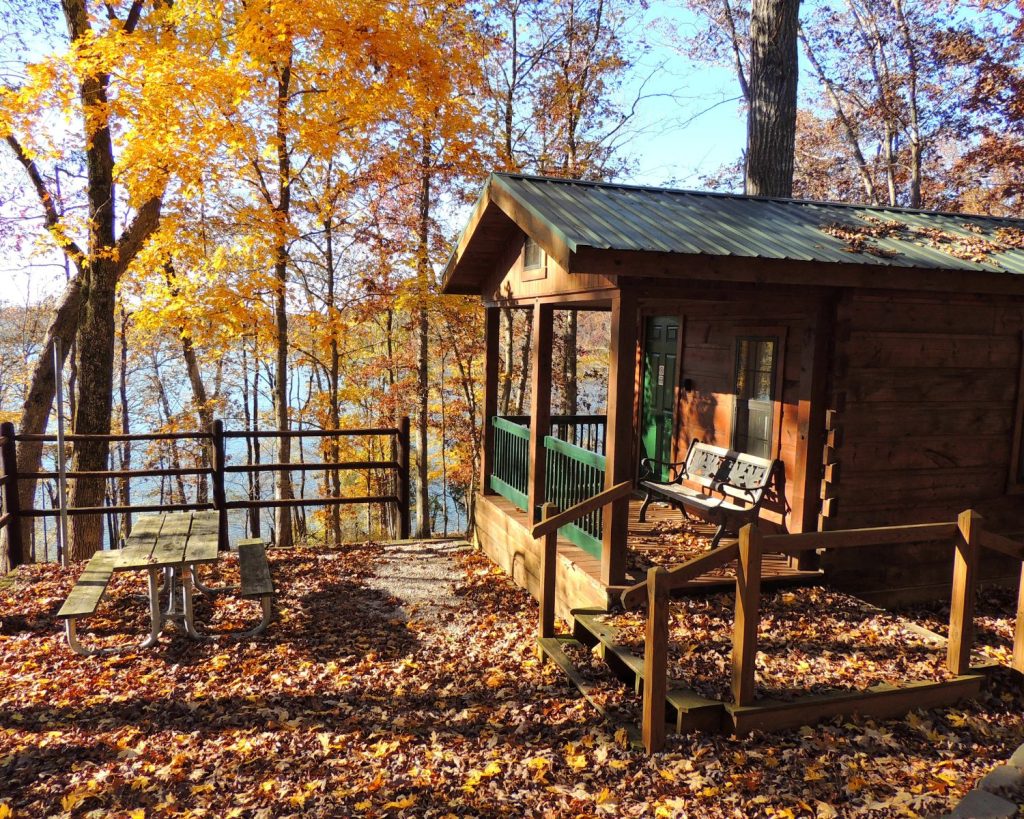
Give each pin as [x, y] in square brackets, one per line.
[1001, 544]
[684, 572]
[300, 466]
[310, 433]
[574, 513]
[853, 538]
[114, 437]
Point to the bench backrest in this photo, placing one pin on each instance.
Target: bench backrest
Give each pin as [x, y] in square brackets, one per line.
[736, 474]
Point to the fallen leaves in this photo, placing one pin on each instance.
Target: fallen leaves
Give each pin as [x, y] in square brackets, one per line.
[346, 708]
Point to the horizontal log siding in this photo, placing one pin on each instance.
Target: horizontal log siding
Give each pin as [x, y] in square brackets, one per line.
[925, 393]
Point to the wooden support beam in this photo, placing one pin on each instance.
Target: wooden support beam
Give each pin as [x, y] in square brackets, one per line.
[540, 402]
[961, 607]
[492, 327]
[217, 479]
[1018, 631]
[12, 502]
[403, 474]
[655, 660]
[748, 604]
[812, 418]
[549, 556]
[619, 461]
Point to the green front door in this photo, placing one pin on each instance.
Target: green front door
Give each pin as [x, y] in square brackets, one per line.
[661, 364]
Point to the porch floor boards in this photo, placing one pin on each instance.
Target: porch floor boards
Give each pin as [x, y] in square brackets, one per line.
[655, 540]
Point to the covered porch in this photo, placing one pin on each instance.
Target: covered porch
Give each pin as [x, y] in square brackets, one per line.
[541, 457]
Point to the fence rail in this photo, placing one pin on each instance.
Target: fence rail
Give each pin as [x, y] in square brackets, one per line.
[11, 513]
[572, 472]
[587, 431]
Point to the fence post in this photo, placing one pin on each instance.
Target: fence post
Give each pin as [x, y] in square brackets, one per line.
[961, 606]
[1018, 631]
[748, 602]
[12, 503]
[655, 660]
[219, 496]
[548, 563]
[404, 491]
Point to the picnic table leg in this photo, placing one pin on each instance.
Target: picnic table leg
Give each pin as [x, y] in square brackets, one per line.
[155, 615]
[186, 599]
[71, 630]
[209, 592]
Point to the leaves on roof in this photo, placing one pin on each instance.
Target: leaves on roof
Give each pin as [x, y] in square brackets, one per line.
[977, 247]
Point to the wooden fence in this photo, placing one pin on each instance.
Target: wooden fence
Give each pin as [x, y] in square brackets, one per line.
[10, 475]
[967, 537]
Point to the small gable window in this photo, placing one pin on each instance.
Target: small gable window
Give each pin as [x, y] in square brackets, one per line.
[533, 256]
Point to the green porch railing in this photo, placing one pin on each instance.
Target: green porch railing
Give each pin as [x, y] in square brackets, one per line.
[510, 474]
[586, 431]
[572, 475]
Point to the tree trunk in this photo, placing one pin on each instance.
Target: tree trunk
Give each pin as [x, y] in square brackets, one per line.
[35, 413]
[771, 122]
[423, 362]
[524, 360]
[283, 518]
[124, 485]
[569, 362]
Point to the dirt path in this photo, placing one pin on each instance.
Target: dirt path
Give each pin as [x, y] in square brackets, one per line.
[422, 575]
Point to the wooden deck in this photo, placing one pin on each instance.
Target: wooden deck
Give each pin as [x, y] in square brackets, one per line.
[666, 539]
[663, 540]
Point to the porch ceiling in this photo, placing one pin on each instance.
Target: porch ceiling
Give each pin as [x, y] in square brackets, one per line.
[572, 220]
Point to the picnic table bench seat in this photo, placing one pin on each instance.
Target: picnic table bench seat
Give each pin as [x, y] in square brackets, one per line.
[730, 485]
[90, 587]
[85, 598]
[256, 581]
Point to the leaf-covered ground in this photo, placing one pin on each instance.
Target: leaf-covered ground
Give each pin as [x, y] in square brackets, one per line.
[810, 640]
[350, 706]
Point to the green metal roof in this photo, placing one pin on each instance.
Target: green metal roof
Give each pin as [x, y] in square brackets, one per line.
[606, 216]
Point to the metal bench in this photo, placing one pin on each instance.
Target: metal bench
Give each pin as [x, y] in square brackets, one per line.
[256, 580]
[732, 486]
[84, 599]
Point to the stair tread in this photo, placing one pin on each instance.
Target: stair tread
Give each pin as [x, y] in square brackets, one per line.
[678, 696]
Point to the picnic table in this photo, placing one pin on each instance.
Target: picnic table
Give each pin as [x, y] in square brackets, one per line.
[171, 544]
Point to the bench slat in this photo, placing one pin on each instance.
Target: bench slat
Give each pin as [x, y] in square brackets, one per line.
[88, 590]
[254, 568]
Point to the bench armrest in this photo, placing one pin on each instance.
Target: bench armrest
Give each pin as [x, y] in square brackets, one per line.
[755, 494]
[676, 473]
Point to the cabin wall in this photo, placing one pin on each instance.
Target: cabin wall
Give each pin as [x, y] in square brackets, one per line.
[924, 403]
[513, 282]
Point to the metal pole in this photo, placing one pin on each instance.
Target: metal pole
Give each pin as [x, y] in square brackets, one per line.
[62, 479]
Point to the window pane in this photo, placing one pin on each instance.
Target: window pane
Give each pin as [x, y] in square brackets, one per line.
[532, 255]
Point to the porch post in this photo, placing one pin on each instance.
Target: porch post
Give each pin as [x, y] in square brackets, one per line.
[619, 447]
[492, 317]
[540, 401]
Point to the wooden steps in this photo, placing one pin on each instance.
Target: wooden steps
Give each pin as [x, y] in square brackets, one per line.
[552, 648]
[688, 710]
[885, 701]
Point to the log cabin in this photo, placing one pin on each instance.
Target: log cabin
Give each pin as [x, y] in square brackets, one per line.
[875, 352]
